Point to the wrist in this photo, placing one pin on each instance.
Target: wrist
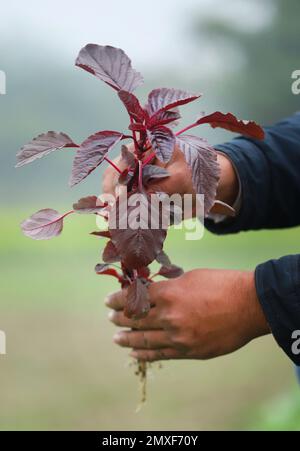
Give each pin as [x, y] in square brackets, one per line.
[255, 323]
[228, 186]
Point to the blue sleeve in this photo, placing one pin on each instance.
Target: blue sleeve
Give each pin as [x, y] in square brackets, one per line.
[269, 172]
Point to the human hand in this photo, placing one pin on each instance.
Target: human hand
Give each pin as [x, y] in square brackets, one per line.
[180, 180]
[204, 313]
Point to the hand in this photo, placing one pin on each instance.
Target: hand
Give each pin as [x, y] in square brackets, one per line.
[180, 180]
[202, 314]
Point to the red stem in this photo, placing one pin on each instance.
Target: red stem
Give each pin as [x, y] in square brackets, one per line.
[140, 175]
[68, 213]
[113, 165]
[186, 128]
[134, 137]
[148, 159]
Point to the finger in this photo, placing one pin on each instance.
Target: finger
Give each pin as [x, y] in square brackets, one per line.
[116, 300]
[144, 339]
[152, 355]
[151, 321]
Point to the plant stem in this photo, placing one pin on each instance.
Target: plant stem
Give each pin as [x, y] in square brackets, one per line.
[140, 175]
[68, 213]
[113, 165]
[134, 137]
[186, 128]
[148, 159]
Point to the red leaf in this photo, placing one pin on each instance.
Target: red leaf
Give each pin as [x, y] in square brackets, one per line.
[43, 225]
[163, 117]
[167, 269]
[137, 127]
[110, 253]
[163, 142]
[104, 269]
[202, 160]
[92, 152]
[89, 204]
[163, 258]
[171, 271]
[143, 272]
[43, 145]
[221, 208]
[151, 171]
[230, 122]
[137, 303]
[167, 98]
[132, 105]
[137, 244]
[110, 65]
[102, 233]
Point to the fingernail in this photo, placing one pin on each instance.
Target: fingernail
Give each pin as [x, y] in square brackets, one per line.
[117, 338]
[107, 300]
[110, 316]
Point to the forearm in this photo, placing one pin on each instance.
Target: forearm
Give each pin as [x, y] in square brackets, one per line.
[278, 290]
[269, 177]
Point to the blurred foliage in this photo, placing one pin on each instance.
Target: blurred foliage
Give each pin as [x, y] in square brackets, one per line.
[281, 414]
[261, 85]
[62, 370]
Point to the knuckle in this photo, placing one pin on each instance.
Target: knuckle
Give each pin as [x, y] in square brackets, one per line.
[168, 291]
[180, 341]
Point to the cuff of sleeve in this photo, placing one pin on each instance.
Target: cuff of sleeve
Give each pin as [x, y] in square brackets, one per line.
[278, 290]
[253, 172]
[217, 218]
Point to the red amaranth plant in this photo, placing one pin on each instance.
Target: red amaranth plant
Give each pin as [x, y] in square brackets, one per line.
[151, 130]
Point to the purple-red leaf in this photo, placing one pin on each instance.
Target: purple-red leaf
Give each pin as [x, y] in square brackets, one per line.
[171, 271]
[167, 269]
[202, 160]
[91, 153]
[89, 204]
[102, 233]
[151, 171]
[221, 208]
[111, 65]
[230, 122]
[130, 226]
[168, 98]
[132, 105]
[104, 269]
[137, 303]
[163, 258]
[110, 253]
[43, 225]
[163, 117]
[137, 127]
[163, 142]
[42, 145]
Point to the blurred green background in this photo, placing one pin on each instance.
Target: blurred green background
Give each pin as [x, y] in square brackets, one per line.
[61, 370]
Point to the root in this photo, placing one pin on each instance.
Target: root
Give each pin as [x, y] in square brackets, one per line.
[141, 372]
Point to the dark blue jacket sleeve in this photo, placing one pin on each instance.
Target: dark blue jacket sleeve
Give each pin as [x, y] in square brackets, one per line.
[269, 172]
